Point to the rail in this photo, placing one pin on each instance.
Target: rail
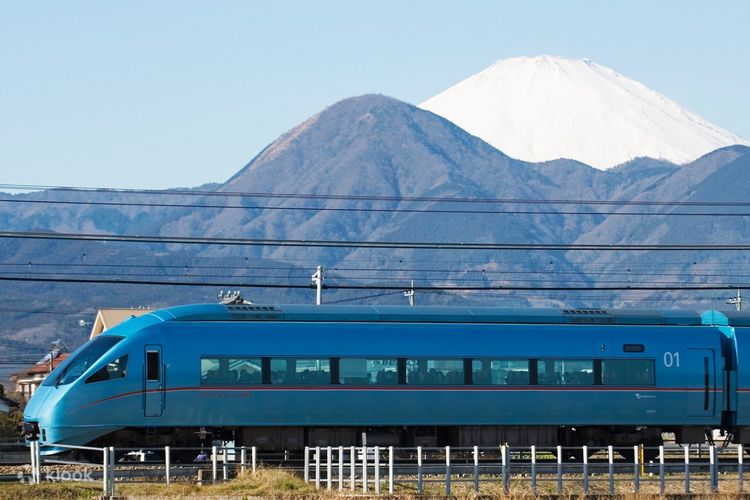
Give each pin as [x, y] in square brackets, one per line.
[422, 470]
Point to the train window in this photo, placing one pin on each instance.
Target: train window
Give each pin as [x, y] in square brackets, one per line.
[435, 371]
[300, 371]
[81, 360]
[152, 365]
[361, 371]
[500, 371]
[111, 371]
[565, 372]
[221, 370]
[629, 372]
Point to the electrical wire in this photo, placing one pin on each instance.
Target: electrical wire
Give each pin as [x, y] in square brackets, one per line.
[241, 284]
[287, 196]
[370, 210]
[442, 271]
[186, 240]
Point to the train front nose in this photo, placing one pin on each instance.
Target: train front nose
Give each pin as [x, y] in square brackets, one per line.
[38, 412]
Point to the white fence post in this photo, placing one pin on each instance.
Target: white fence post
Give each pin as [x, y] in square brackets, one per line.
[38, 461]
[34, 456]
[167, 464]
[341, 468]
[714, 469]
[559, 470]
[390, 470]
[419, 471]
[214, 464]
[329, 469]
[377, 470]
[506, 469]
[476, 469]
[307, 464]
[611, 462]
[317, 467]
[687, 469]
[364, 469]
[353, 468]
[447, 471]
[112, 471]
[661, 470]
[636, 471]
[585, 450]
[105, 471]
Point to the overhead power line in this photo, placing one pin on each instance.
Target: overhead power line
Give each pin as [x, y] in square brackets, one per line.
[185, 240]
[368, 209]
[540, 278]
[432, 199]
[242, 284]
[189, 268]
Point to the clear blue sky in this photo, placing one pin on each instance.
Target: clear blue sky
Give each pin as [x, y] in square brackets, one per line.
[178, 93]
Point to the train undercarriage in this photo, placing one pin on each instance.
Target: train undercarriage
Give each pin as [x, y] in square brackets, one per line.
[280, 439]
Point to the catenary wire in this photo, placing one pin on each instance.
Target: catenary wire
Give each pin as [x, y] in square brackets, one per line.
[186, 240]
[236, 194]
[372, 210]
[241, 284]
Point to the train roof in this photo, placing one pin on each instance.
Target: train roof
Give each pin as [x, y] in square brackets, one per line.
[425, 314]
[737, 318]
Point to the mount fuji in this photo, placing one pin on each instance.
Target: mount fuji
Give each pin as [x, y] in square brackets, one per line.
[545, 108]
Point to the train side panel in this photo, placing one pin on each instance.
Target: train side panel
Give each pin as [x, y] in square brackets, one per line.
[688, 364]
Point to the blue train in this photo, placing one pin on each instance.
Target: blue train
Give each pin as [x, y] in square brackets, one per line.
[281, 377]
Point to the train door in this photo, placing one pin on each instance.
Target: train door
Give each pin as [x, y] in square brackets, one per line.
[701, 381]
[153, 382]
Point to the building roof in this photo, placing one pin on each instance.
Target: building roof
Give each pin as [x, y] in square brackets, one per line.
[107, 318]
[44, 367]
[40, 368]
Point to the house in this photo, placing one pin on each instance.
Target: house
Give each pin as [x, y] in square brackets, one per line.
[28, 380]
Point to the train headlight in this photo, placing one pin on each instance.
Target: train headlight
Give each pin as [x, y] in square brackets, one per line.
[30, 430]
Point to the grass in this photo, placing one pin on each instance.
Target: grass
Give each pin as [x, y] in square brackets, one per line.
[266, 483]
[57, 491]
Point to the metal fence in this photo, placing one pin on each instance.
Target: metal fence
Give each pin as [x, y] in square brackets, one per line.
[375, 469]
[110, 465]
[423, 470]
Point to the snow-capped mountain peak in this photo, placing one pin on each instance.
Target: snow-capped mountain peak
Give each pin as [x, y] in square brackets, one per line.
[544, 108]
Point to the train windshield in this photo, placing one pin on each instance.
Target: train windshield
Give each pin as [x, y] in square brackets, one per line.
[82, 360]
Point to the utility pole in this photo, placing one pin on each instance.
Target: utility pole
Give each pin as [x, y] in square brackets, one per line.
[317, 279]
[736, 301]
[410, 293]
